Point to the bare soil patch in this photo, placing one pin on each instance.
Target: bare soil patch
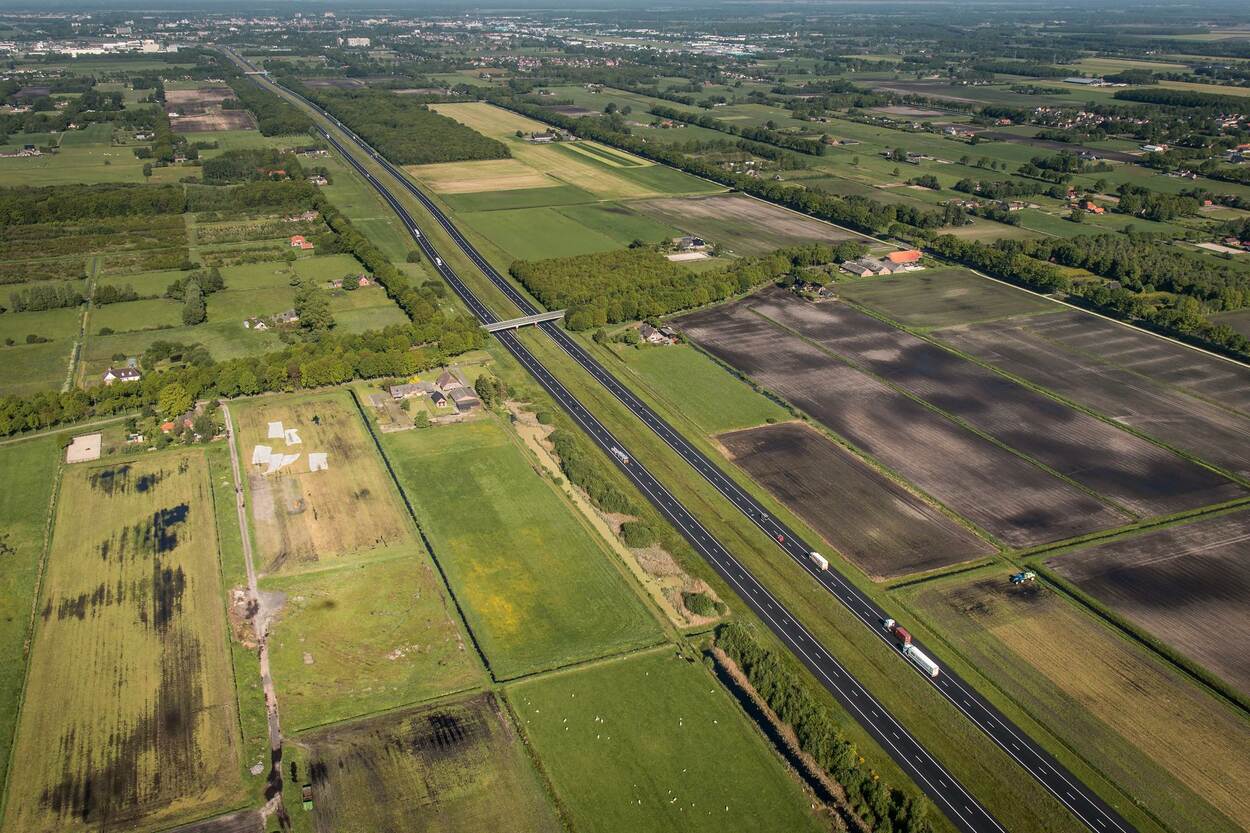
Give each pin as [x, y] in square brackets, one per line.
[1136, 474]
[883, 528]
[1014, 500]
[1188, 585]
[1077, 370]
[214, 120]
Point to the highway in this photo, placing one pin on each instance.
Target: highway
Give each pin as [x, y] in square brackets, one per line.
[947, 794]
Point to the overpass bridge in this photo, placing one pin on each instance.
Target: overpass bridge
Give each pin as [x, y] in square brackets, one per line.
[517, 323]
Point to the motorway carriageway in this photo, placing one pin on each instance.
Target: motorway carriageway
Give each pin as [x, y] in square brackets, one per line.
[948, 794]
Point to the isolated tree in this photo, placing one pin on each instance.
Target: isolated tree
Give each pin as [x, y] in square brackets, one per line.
[203, 425]
[313, 308]
[351, 282]
[422, 419]
[193, 311]
[173, 400]
[414, 256]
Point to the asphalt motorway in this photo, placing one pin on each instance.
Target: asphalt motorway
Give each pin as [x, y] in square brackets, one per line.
[950, 796]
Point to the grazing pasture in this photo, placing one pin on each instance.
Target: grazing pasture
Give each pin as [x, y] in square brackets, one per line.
[538, 588]
[361, 638]
[699, 389]
[1188, 586]
[1116, 464]
[561, 231]
[1136, 719]
[940, 298]
[128, 720]
[654, 743]
[455, 767]
[742, 224]
[30, 368]
[1164, 411]
[881, 527]
[304, 518]
[965, 472]
[30, 473]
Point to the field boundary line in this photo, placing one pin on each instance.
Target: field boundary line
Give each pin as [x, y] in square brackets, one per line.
[583, 664]
[562, 812]
[425, 540]
[1047, 392]
[49, 526]
[413, 704]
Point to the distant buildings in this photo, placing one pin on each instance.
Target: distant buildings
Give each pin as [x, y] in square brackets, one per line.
[907, 260]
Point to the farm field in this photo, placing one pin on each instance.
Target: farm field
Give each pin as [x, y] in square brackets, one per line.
[1143, 402]
[1227, 383]
[878, 525]
[1120, 466]
[537, 233]
[603, 179]
[307, 518]
[30, 368]
[129, 714]
[360, 638]
[30, 469]
[480, 175]
[654, 743]
[963, 471]
[456, 767]
[1239, 321]
[538, 589]
[700, 389]
[1188, 586]
[742, 224]
[53, 324]
[1138, 720]
[940, 298]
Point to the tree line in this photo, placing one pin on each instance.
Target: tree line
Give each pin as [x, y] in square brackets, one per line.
[52, 295]
[629, 284]
[275, 116]
[812, 147]
[883, 808]
[407, 132]
[1018, 262]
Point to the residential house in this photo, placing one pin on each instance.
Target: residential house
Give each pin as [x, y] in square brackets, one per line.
[288, 317]
[318, 180]
[439, 400]
[408, 391]
[651, 335]
[122, 374]
[447, 380]
[1093, 207]
[299, 242]
[689, 243]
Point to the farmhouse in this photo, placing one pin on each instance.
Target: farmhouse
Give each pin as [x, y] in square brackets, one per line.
[288, 317]
[408, 391]
[254, 323]
[318, 180]
[299, 242]
[122, 374]
[652, 335]
[689, 244]
[439, 400]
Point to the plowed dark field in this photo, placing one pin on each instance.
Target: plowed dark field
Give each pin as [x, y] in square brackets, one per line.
[1021, 347]
[1187, 585]
[1011, 498]
[1136, 474]
[886, 530]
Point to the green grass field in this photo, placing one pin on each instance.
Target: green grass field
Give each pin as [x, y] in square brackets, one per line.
[699, 388]
[456, 767]
[29, 368]
[128, 718]
[1139, 721]
[51, 324]
[133, 316]
[941, 298]
[361, 638]
[30, 469]
[538, 588]
[654, 743]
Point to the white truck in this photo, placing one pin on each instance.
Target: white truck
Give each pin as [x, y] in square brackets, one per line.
[819, 560]
[620, 455]
[919, 657]
[438, 261]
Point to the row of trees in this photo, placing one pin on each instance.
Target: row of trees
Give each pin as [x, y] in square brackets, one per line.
[813, 147]
[45, 296]
[1002, 189]
[397, 351]
[407, 132]
[66, 203]
[883, 808]
[1183, 98]
[629, 284]
[1153, 205]
[1016, 261]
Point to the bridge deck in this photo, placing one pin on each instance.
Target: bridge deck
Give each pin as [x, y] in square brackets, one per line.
[514, 323]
